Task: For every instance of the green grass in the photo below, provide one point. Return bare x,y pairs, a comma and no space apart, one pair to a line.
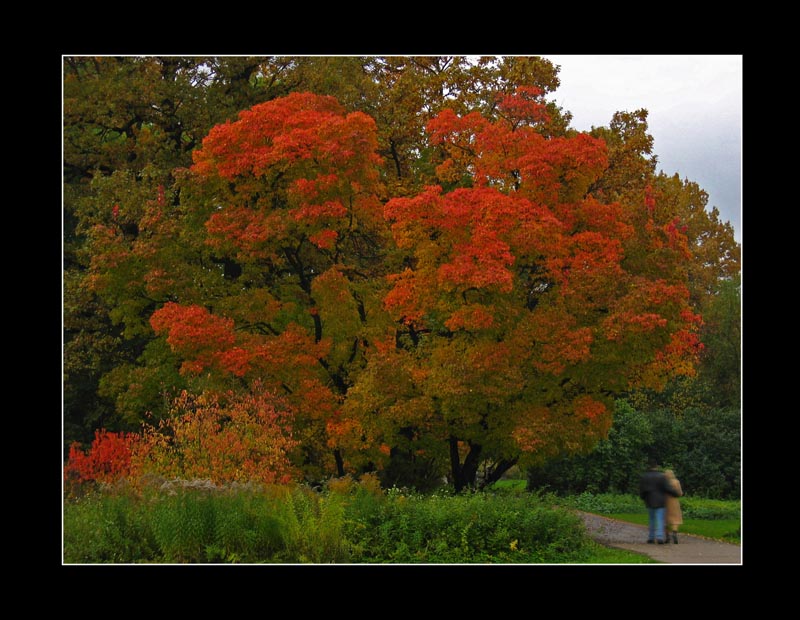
692,507
509,485
600,554
727,530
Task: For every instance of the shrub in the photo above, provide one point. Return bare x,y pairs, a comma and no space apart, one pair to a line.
356,522
231,438
183,525
479,527
108,460
108,527
604,503
703,508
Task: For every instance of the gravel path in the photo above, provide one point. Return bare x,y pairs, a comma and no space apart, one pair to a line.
689,550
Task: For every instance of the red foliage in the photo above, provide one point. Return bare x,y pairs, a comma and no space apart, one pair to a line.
107,460
193,332
301,167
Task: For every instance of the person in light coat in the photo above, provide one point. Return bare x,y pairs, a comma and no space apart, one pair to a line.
673,516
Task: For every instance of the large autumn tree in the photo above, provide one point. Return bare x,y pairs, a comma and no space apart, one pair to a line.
524,304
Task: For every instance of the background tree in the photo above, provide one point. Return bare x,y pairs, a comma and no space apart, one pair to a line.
128,123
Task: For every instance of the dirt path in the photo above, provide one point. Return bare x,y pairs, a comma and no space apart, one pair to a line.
689,550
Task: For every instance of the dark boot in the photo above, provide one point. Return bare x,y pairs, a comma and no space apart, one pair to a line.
675,537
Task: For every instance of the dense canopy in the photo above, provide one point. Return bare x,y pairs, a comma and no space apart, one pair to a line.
337,265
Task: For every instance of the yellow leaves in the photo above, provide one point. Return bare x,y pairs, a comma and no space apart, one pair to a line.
254,306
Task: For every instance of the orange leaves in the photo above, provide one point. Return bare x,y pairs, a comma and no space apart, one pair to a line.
646,308
588,408
330,209
557,340
470,318
418,213
236,361
512,155
402,300
287,170
244,230
523,106
474,231
191,326
281,129
241,438
207,341
287,132
324,239
483,262
313,190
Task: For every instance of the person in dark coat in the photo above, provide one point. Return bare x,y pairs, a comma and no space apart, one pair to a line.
654,489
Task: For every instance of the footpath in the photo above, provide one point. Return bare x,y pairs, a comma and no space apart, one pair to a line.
689,550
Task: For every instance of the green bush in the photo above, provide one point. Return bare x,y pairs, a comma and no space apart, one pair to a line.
354,523
702,446
604,503
312,527
710,509
107,528
184,525
479,527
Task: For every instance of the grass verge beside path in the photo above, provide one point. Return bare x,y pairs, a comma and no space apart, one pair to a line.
710,518
727,530
601,554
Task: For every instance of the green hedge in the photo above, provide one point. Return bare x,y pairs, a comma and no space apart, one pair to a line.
299,525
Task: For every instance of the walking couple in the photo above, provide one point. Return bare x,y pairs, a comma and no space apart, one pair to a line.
660,492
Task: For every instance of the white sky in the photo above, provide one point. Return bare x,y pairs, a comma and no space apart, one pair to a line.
695,113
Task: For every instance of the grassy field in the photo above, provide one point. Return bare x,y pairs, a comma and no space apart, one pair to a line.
727,530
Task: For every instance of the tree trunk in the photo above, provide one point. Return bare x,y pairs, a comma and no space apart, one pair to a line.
464,475
339,463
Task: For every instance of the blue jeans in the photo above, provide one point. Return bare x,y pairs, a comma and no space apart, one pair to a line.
656,520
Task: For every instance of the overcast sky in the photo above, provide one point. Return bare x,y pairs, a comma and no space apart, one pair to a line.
695,106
